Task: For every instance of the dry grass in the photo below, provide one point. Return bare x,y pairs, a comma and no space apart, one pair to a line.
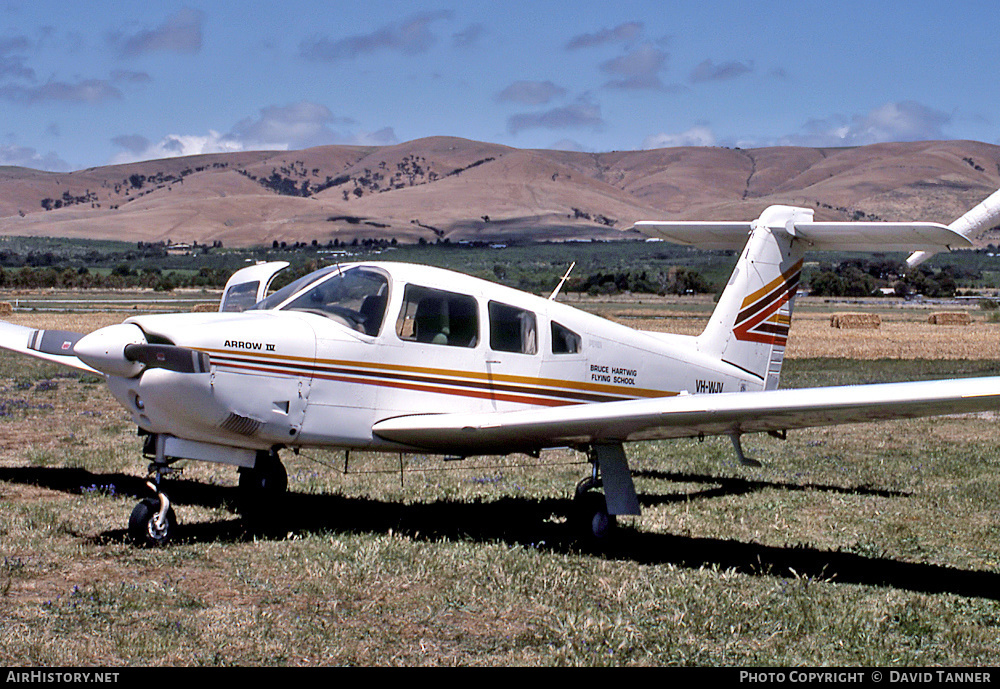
899,337
76,322
902,333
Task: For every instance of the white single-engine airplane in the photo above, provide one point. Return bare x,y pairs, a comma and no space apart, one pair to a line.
405,358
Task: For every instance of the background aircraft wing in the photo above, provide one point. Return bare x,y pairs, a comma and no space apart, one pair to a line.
51,345
688,416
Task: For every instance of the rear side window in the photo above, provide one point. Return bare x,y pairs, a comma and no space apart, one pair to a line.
512,329
564,340
434,316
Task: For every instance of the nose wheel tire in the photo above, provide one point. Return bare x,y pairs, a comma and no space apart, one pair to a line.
147,528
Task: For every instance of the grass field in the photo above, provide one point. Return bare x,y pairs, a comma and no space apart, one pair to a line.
874,544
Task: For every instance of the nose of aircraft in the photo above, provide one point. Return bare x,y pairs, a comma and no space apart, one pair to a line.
104,349
122,350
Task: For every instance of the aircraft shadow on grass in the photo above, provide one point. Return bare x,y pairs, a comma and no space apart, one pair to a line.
533,522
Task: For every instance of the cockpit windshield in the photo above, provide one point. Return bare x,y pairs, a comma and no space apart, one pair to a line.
355,297
275,299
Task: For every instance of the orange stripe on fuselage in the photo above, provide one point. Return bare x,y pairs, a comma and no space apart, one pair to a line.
530,381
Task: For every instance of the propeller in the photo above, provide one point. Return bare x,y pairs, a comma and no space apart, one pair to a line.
122,350
57,342
170,357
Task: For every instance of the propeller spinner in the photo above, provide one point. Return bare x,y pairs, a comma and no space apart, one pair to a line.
122,350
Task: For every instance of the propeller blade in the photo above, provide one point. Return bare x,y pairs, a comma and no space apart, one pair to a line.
57,342
170,357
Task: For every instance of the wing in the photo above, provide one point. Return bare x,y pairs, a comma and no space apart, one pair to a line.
51,345
688,416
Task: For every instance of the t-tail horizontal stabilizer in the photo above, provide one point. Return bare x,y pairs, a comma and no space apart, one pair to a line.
813,236
983,217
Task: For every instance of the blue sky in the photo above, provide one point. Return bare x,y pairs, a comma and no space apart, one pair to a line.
86,84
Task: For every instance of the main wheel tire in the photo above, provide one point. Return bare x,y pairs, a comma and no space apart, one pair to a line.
143,529
262,491
267,481
593,521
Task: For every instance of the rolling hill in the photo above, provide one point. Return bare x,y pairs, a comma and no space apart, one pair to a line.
456,189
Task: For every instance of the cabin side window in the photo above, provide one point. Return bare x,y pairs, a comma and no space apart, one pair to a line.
434,316
512,329
564,340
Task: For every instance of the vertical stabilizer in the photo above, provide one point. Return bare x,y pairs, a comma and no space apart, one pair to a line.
749,328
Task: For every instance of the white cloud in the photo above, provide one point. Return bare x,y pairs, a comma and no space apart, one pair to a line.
86,91
303,125
699,135
25,156
173,146
409,36
899,121
709,71
637,69
531,92
628,31
568,145
385,136
580,114
299,125
468,36
180,32
276,128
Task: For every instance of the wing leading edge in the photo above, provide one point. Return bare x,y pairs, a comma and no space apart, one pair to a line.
688,416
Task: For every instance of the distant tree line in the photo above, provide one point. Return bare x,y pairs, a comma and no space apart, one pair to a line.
674,281
865,278
122,277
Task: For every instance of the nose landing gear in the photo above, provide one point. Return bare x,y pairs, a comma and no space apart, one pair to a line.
153,521
262,485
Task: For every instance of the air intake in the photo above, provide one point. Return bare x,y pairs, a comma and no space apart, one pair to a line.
243,425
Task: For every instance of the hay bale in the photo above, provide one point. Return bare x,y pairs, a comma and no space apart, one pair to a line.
205,308
855,320
6,307
949,318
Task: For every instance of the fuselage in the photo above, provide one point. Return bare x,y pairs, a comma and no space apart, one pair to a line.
320,362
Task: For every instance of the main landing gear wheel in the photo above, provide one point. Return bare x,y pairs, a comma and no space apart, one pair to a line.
147,527
262,486
591,518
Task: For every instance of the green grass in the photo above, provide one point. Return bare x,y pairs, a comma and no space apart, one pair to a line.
874,544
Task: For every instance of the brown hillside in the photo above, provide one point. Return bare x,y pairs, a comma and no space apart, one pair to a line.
445,187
